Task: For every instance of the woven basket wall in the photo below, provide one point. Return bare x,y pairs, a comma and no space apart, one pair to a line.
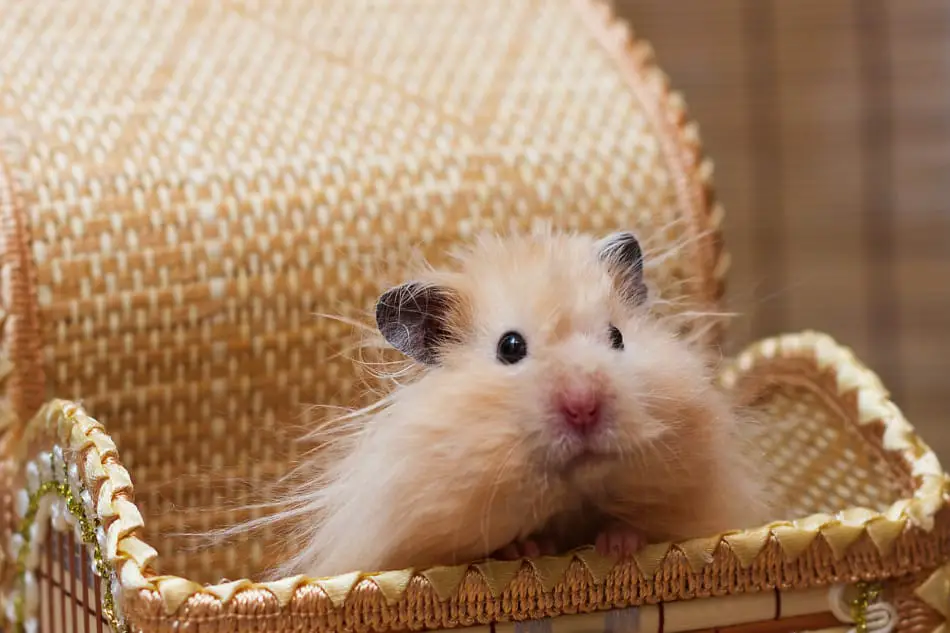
183,201
185,186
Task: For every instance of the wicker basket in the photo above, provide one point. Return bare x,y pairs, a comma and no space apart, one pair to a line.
182,185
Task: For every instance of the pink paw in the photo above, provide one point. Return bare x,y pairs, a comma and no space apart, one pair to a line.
619,541
525,549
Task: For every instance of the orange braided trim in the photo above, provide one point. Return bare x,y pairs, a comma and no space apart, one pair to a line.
21,336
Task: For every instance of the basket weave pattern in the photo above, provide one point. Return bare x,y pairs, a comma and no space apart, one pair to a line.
180,197
245,165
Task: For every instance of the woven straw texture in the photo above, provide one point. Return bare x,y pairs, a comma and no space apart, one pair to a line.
185,185
195,181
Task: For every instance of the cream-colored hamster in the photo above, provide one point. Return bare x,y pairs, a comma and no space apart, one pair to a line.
551,410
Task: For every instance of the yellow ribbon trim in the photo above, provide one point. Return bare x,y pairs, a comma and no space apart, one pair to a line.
392,584
935,592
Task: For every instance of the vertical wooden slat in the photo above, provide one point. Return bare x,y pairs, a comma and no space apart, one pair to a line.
50,619
60,580
77,608
877,164
920,58
98,584
84,597
821,186
768,205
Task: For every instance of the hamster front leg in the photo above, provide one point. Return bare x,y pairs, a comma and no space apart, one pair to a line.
619,540
563,531
527,548
610,537
615,540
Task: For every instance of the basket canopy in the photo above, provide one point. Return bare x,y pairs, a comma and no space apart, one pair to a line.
186,185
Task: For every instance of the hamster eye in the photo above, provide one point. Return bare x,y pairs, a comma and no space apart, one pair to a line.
616,338
512,348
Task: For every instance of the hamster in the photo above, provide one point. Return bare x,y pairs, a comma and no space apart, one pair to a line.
549,410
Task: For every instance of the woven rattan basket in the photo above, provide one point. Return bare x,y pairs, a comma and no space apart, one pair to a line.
184,184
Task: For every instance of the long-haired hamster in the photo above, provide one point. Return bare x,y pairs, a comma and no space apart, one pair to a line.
550,410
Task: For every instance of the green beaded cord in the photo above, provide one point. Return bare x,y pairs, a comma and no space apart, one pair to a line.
88,531
867,595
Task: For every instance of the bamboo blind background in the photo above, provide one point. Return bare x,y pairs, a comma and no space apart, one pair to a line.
829,125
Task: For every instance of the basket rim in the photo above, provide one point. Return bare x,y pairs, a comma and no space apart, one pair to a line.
911,535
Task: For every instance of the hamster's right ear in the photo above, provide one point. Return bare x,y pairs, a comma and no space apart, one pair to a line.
415,319
623,256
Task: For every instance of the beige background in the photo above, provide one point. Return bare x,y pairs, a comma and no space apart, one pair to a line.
829,124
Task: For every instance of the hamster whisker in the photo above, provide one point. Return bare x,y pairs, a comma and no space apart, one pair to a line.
486,509
348,321
658,245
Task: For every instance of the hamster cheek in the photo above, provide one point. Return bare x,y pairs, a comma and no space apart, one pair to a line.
481,415
491,473
632,425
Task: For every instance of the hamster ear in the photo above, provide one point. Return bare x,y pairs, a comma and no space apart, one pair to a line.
414,317
622,254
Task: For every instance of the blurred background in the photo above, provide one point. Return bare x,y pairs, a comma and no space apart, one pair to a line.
829,125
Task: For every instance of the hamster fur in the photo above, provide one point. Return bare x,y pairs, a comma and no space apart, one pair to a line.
477,456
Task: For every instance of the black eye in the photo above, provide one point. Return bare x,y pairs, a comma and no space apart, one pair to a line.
616,338
511,348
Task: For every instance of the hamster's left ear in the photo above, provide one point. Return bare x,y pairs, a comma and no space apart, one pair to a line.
415,319
622,254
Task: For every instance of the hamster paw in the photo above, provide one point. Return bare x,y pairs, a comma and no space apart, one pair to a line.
619,541
529,548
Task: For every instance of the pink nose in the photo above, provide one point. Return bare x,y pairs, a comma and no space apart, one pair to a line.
580,410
